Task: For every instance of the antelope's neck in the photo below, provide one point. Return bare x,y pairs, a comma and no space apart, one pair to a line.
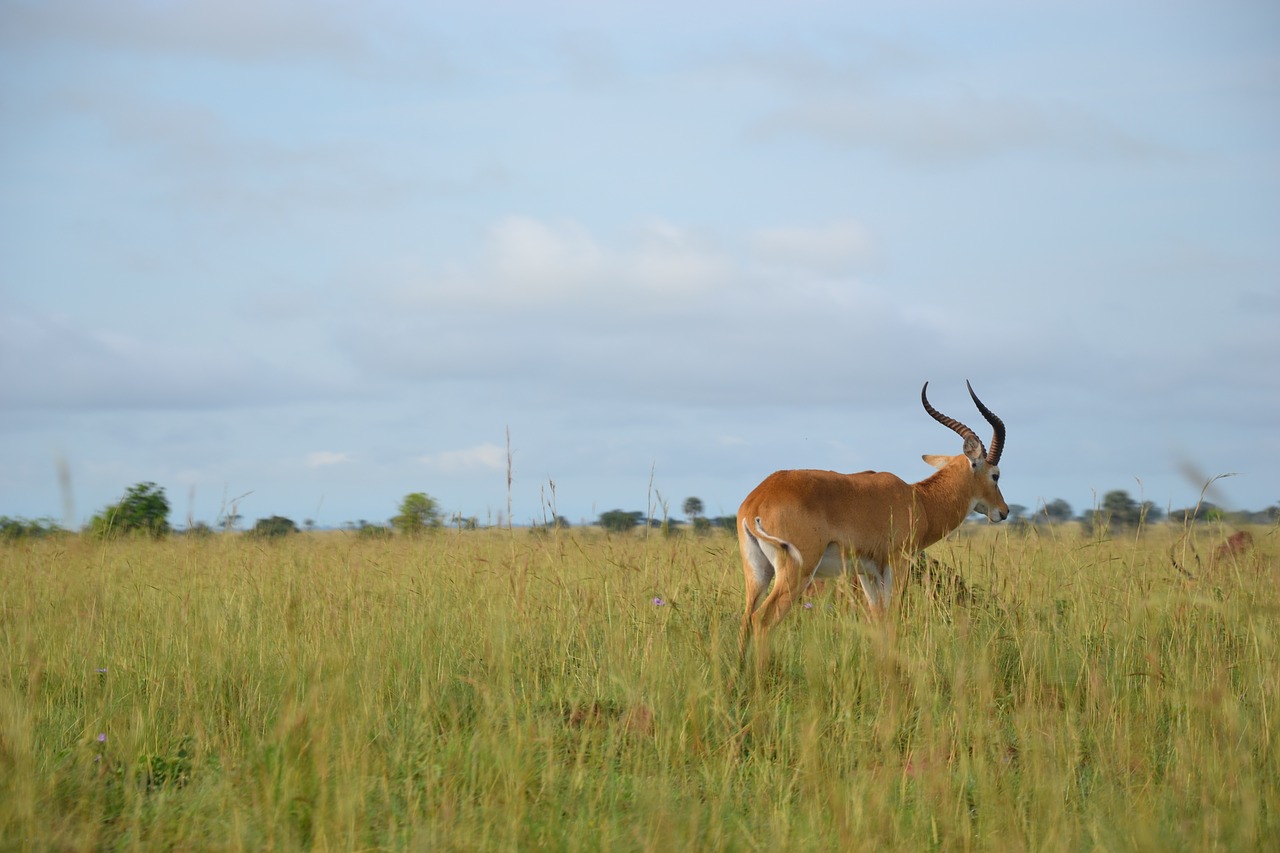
946,498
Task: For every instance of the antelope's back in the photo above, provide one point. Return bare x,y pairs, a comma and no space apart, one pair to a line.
862,505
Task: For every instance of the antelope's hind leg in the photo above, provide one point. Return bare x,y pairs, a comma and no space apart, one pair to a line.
759,572
876,579
790,579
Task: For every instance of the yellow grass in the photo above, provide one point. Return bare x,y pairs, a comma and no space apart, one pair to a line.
488,690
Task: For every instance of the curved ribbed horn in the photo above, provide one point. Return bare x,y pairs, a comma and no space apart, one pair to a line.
950,423
997,440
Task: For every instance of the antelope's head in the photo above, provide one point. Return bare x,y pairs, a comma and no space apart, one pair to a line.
984,464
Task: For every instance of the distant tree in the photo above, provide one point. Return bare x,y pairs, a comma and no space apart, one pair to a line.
365,530
467,522
1209,512
419,512
275,526
1018,520
1205,511
542,528
727,523
1055,511
693,508
143,509
620,521
199,529
21,528
1119,510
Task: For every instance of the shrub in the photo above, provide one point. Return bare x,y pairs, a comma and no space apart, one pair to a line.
21,528
143,509
275,526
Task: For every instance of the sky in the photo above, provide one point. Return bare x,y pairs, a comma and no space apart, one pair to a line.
305,258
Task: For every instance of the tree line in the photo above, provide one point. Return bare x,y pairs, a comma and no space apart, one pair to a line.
1118,509
144,510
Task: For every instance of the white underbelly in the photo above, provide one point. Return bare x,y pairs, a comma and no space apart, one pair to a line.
833,564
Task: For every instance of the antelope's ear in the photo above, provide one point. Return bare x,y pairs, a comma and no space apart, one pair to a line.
973,449
938,462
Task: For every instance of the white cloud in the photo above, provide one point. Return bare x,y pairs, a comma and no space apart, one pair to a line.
535,263
832,246
668,260
482,457
533,260
663,312
553,265
322,458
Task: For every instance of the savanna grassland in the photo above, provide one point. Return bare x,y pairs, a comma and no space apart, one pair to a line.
498,691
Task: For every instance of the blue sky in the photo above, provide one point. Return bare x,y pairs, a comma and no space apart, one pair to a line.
321,255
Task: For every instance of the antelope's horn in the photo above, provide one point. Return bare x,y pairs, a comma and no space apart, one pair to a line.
997,439
950,423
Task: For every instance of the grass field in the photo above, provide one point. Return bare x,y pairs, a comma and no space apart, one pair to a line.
498,691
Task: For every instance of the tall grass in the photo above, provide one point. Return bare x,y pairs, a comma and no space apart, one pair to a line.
490,690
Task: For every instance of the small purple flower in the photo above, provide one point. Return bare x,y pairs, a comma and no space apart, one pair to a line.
808,605
102,737
657,601
102,670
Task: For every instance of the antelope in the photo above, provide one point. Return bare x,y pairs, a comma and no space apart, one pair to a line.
1234,545
800,525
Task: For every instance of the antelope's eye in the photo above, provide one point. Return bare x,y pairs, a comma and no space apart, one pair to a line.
995,478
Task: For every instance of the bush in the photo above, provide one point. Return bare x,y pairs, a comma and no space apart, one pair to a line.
21,528
419,512
275,526
542,528
143,509
373,531
727,523
619,521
